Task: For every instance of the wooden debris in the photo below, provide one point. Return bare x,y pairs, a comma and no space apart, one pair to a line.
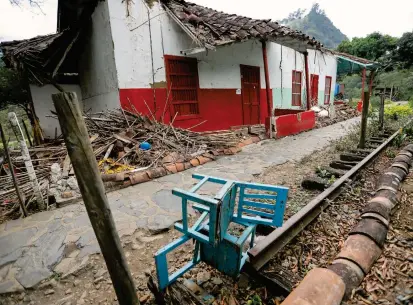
116,136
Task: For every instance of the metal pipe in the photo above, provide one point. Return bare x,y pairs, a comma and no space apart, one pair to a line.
267,84
307,80
273,243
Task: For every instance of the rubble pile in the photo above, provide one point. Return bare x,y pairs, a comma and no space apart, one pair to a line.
123,142
342,112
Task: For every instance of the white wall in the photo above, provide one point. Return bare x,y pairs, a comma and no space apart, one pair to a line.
43,104
323,64
133,42
136,62
221,68
98,76
216,69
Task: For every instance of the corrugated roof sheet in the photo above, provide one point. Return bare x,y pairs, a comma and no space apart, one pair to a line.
355,58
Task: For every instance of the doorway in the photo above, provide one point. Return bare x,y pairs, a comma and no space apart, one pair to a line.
250,94
314,89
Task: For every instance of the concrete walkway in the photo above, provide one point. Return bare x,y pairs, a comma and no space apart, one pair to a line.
60,241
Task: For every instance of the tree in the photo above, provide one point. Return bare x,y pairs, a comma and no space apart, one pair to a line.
374,46
12,89
404,52
13,92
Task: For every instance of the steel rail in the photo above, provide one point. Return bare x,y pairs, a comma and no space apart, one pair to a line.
276,240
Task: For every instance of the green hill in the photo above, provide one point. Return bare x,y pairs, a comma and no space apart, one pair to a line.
315,24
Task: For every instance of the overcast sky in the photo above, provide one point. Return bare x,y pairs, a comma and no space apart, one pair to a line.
354,18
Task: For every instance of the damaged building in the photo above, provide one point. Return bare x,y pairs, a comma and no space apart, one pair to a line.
177,62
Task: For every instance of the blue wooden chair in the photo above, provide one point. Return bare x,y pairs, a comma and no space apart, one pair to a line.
244,204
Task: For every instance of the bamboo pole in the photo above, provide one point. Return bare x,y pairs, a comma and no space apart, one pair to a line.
14,122
364,115
13,175
27,133
93,192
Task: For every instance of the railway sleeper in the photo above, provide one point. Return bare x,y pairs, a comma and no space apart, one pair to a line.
345,165
375,141
330,172
350,157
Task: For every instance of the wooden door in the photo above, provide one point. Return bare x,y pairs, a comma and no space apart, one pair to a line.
250,94
314,89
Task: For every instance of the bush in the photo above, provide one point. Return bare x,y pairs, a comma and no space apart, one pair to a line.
398,110
411,102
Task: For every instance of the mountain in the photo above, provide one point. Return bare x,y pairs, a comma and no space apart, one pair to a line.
315,24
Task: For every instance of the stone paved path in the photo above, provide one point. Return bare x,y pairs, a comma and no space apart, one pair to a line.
61,240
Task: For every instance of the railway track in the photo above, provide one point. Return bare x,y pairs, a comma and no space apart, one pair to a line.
273,243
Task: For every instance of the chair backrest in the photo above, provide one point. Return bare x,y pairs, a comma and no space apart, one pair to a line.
261,204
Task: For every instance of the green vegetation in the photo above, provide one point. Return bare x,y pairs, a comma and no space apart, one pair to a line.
406,134
396,111
395,57
374,46
255,300
315,24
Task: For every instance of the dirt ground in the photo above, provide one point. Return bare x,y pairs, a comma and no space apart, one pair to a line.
316,246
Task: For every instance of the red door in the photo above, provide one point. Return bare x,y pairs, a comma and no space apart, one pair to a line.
250,95
314,89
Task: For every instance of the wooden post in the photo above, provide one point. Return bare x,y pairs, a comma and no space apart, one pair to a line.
381,111
13,175
307,81
372,73
267,84
363,81
14,122
93,192
364,115
37,131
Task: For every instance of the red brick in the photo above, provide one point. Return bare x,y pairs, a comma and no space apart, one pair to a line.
188,165
194,162
180,167
203,160
139,178
171,168
156,172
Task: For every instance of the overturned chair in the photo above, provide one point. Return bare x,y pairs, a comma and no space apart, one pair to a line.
244,204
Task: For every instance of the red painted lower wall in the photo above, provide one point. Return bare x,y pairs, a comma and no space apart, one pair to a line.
291,124
221,108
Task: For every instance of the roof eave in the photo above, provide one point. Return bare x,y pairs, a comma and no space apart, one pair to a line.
371,65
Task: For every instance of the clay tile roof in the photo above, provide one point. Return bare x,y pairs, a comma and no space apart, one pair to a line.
214,28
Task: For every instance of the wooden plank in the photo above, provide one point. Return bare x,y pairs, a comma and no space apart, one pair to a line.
365,112
66,167
93,192
16,186
125,139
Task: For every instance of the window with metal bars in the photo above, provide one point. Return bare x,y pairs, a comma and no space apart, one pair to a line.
182,76
327,91
297,83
